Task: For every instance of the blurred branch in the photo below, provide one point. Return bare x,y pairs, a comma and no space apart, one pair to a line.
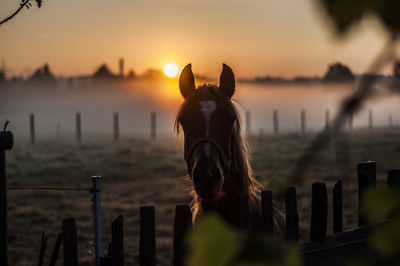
22,5
351,105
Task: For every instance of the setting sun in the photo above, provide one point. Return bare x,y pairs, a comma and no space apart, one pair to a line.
171,70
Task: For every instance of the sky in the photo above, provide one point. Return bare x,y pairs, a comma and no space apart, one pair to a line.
255,37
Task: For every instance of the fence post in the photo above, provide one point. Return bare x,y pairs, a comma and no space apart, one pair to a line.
393,181
109,250
56,248
275,117
366,175
390,120
370,120
58,129
98,233
303,122
292,216
351,122
78,128
319,212
337,208
32,128
248,123
117,240
42,249
116,127
327,120
260,136
153,118
182,225
106,261
70,242
393,178
147,244
6,143
244,211
267,211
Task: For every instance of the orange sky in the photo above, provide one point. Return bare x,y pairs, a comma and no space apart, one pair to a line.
255,37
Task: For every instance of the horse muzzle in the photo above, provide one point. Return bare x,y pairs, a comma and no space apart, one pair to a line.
208,178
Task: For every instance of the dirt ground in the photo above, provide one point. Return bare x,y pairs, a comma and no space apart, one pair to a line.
137,172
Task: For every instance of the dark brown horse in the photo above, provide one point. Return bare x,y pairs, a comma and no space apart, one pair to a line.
216,153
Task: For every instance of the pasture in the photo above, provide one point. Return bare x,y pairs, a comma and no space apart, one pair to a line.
139,172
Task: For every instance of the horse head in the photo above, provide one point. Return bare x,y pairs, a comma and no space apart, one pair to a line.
207,118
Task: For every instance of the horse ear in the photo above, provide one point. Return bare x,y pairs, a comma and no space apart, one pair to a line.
227,81
186,81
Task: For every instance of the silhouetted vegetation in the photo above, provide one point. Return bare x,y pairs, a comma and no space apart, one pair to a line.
338,72
2,77
104,73
42,77
396,70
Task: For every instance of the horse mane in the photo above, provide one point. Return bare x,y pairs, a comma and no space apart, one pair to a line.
245,182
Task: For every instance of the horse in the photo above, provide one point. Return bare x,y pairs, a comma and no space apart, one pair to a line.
216,153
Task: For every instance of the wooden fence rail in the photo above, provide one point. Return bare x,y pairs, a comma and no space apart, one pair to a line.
319,244
153,131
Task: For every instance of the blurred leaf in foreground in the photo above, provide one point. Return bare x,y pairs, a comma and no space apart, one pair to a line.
346,13
216,243
381,204
212,243
264,250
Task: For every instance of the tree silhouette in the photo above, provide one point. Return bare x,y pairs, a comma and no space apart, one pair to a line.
103,72
338,72
396,69
24,3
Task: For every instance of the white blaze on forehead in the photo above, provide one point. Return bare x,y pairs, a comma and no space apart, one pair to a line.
207,108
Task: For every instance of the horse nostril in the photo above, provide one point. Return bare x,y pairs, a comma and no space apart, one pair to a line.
207,181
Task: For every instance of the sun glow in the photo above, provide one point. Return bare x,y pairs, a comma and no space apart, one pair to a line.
171,70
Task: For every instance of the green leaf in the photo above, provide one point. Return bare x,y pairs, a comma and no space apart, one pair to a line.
379,203
212,243
386,239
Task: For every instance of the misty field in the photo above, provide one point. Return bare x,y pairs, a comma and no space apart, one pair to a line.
138,172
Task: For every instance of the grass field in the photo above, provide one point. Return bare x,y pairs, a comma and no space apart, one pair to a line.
138,172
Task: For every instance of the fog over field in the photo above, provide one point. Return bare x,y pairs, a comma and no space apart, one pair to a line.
55,108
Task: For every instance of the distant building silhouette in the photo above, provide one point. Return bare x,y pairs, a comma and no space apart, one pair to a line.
339,73
103,72
42,77
131,74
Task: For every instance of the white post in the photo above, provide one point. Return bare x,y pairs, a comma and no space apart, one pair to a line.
98,234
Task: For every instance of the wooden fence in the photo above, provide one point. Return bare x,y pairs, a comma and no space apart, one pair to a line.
247,127
338,247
